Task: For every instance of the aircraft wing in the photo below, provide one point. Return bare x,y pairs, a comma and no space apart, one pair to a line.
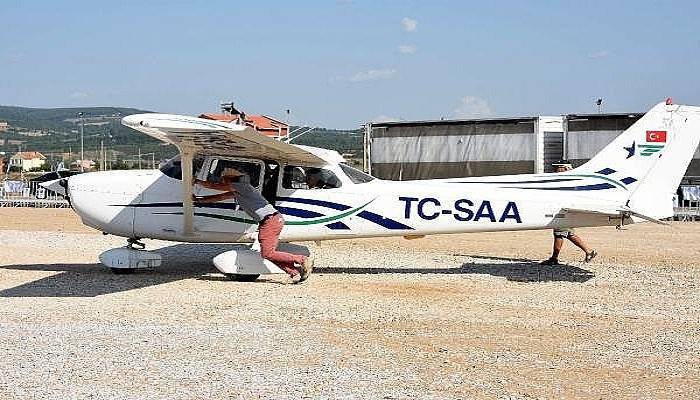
208,137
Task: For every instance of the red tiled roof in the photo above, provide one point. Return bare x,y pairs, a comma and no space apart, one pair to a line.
30,155
261,123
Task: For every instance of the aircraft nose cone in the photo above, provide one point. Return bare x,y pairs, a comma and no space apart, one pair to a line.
132,120
103,200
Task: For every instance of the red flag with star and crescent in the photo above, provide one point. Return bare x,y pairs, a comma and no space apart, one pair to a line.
656,136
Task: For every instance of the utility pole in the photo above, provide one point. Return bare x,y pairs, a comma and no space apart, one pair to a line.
288,127
21,163
139,158
82,150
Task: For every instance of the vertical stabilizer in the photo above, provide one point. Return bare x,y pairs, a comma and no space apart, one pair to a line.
650,158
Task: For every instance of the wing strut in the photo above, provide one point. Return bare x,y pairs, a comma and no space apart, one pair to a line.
187,154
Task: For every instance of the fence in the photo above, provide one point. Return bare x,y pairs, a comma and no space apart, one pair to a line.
29,194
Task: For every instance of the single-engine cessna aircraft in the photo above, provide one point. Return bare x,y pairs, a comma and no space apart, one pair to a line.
633,179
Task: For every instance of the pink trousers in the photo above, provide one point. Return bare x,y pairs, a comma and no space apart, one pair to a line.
268,235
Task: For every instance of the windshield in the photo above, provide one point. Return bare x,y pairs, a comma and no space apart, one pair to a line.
355,175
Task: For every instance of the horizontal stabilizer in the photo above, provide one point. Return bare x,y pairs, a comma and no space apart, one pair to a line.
615,212
644,217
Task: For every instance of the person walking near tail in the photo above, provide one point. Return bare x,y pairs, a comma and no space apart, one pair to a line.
567,233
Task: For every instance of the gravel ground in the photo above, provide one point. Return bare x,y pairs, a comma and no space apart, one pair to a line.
464,316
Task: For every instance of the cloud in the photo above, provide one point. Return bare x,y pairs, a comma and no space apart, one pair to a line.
13,58
79,95
599,54
472,107
409,25
407,49
385,118
373,75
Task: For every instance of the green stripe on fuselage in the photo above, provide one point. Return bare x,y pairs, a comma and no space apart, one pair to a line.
321,220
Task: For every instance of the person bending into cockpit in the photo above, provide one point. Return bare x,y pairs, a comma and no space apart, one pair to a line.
235,184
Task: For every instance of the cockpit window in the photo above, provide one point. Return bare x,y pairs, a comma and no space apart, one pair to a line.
173,167
355,175
309,178
248,168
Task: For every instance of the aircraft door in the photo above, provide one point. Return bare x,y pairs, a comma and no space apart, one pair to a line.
159,214
225,216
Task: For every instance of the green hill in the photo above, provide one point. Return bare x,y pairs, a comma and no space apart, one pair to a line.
55,132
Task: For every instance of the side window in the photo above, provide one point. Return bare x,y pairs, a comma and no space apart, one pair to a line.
173,167
309,178
219,166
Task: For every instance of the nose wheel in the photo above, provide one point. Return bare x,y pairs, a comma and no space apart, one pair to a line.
124,260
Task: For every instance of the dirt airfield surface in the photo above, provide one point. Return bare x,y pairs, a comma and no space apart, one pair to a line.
461,316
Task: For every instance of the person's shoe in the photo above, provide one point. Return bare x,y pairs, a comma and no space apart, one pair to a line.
307,267
551,261
590,256
295,278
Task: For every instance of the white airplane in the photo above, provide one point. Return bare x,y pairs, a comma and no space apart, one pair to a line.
633,179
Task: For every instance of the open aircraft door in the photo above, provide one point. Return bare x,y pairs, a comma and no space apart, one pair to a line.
225,216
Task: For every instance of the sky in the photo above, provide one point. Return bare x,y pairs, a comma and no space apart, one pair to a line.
341,63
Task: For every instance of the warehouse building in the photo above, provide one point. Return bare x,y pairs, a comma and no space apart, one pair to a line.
458,148
501,146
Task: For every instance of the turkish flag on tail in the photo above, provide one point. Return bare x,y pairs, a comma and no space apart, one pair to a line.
656,136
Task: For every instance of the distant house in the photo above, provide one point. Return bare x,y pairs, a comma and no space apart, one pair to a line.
86,164
27,160
4,126
262,123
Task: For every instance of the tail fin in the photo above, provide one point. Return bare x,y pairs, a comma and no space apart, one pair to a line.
651,157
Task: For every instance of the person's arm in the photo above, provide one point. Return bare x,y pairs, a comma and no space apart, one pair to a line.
213,198
223,186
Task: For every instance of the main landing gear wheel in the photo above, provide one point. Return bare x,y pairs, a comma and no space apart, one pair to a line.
242,277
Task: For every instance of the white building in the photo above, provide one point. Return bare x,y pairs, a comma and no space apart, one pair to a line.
27,160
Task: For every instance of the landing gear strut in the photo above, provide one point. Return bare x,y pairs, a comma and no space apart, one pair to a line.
133,243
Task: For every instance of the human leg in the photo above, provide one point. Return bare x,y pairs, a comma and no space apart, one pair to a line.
556,248
268,235
581,244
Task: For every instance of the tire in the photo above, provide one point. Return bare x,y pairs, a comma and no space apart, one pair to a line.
243,278
122,271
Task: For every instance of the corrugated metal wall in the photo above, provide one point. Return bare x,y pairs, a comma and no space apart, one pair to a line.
586,135
450,149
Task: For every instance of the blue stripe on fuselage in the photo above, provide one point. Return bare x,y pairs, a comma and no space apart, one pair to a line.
599,186
387,223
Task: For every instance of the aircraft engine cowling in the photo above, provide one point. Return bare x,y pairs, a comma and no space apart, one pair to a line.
105,200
